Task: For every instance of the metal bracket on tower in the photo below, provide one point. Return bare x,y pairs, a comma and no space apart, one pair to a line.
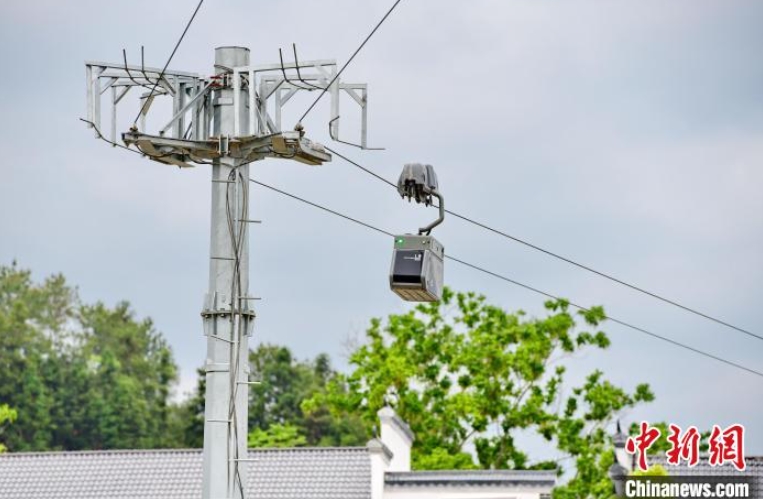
216,304
185,139
219,305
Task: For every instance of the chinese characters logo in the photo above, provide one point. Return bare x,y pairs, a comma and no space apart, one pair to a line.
724,445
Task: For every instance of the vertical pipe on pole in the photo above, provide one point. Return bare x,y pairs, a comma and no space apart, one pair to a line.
236,103
177,105
252,103
278,105
89,78
113,113
364,119
96,89
225,343
195,115
264,105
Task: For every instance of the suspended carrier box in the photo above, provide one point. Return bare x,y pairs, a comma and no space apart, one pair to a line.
417,268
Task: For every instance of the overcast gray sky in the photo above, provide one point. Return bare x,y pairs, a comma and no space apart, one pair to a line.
627,135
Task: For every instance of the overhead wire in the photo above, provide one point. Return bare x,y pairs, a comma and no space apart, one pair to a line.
155,157
169,60
566,259
360,47
463,217
100,136
520,284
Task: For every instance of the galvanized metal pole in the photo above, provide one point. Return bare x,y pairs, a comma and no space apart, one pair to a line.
242,131
227,367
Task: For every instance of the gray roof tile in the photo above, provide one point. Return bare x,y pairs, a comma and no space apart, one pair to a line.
477,477
304,473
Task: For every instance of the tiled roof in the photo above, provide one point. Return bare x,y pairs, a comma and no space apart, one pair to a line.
303,473
325,473
480,477
754,468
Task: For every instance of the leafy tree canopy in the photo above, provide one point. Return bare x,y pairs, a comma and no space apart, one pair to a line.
80,376
276,415
468,376
277,435
285,383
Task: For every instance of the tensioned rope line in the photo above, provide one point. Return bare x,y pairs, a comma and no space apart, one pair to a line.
567,260
360,47
166,65
517,283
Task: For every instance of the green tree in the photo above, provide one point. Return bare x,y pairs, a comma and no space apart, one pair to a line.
285,383
276,413
277,435
33,326
467,375
81,376
192,413
7,415
132,372
656,470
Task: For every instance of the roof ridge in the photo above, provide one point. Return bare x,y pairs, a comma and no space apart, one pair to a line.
99,452
313,448
471,477
663,455
102,452
505,473
498,472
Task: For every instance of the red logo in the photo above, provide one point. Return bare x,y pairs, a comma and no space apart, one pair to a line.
641,443
727,446
683,448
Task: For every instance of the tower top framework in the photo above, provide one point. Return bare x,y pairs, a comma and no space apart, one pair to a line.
186,136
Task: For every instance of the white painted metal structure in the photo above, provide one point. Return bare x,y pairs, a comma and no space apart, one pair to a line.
189,135
223,121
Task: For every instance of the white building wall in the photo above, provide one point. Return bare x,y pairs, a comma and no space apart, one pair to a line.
380,459
391,453
397,437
